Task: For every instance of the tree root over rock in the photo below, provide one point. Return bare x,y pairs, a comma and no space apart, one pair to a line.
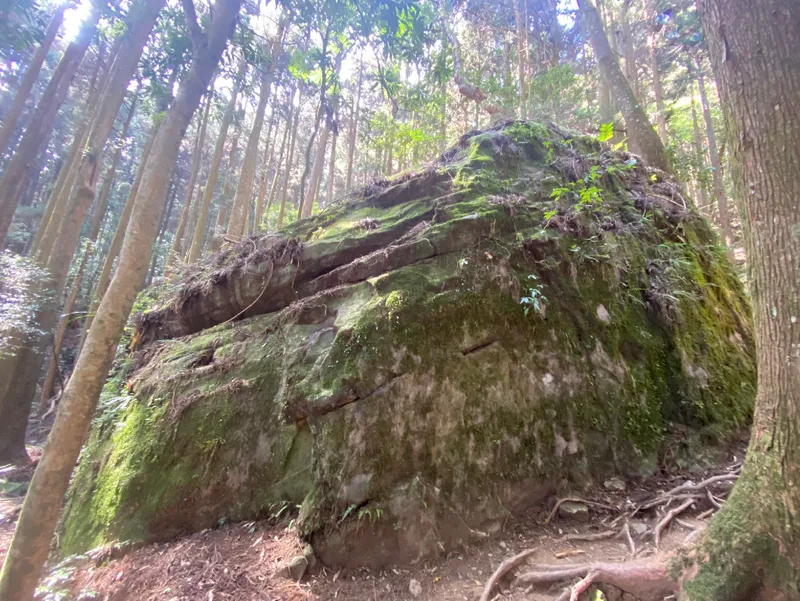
646,579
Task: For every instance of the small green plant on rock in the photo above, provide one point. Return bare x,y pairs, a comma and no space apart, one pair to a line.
534,298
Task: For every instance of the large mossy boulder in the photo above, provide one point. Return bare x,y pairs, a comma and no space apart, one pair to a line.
440,350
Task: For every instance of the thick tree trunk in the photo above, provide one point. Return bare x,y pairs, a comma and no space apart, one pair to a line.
716,165
31,74
41,121
244,188
628,50
196,248
642,138
751,547
40,512
197,159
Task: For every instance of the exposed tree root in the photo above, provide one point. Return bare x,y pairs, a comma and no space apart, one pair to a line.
647,579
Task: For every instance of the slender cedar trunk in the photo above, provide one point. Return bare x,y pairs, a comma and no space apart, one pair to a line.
61,330
94,231
268,166
331,171
631,71
41,121
351,144
49,228
196,247
288,171
642,138
716,166
699,157
119,235
316,172
751,547
307,167
521,39
197,159
279,166
66,243
226,199
40,512
29,79
658,90
162,230
244,189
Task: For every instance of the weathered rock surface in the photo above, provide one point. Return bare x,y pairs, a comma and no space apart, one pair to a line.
412,365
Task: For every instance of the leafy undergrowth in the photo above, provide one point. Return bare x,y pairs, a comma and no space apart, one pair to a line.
241,562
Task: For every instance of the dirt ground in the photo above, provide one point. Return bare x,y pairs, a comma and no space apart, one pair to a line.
243,562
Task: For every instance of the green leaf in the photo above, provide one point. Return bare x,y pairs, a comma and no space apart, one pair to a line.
606,132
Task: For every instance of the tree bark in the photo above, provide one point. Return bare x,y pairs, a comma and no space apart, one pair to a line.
658,90
751,547
716,166
279,166
316,172
331,171
41,121
142,19
29,79
244,188
642,138
94,231
351,150
699,158
197,159
42,506
288,171
521,39
196,248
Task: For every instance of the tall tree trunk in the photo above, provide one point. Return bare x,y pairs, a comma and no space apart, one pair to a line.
751,547
141,21
351,150
244,189
197,159
316,172
716,166
226,199
699,157
279,166
288,171
628,50
31,74
41,121
258,214
94,231
196,248
42,506
642,138
117,239
331,171
658,91
522,36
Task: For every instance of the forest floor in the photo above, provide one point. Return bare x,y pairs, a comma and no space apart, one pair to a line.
242,562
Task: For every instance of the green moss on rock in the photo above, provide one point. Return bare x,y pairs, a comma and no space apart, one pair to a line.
499,343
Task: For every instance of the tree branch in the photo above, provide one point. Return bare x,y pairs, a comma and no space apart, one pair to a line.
190,14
